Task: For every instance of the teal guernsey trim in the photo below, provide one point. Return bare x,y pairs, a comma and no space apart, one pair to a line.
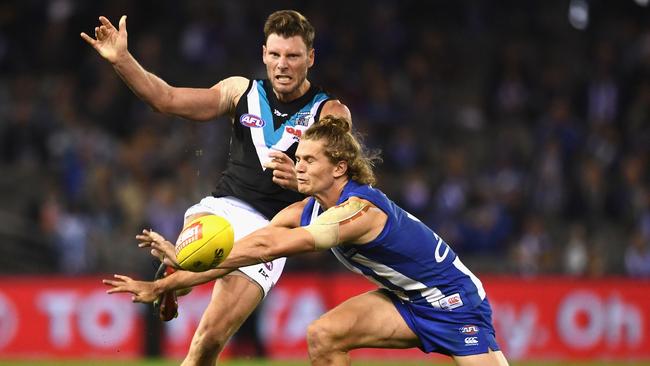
271,135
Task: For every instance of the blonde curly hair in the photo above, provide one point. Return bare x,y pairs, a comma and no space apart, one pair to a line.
341,144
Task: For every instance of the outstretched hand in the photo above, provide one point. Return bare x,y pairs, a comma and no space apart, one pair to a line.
161,248
143,291
109,42
284,174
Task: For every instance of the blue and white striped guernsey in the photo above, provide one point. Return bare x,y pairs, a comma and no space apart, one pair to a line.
407,258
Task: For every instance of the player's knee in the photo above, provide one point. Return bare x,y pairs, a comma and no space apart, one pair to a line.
323,337
207,341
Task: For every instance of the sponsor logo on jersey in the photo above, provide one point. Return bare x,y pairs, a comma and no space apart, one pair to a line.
469,329
191,234
251,120
302,118
294,131
263,273
278,113
451,302
269,266
471,341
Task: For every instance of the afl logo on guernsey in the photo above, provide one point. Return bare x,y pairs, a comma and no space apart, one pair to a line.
469,329
251,120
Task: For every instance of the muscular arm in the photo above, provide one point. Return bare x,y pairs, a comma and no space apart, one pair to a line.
355,221
258,247
282,238
199,104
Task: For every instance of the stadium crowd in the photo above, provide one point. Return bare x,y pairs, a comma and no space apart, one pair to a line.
523,140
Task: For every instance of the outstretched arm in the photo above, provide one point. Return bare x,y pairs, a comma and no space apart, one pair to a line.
148,291
199,104
355,221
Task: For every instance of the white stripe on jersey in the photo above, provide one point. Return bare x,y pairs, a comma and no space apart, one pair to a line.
347,264
257,134
431,294
479,285
313,111
314,211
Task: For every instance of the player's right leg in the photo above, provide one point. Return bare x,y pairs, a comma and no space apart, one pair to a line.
368,320
234,298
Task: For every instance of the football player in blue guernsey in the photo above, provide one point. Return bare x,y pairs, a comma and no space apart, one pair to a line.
268,118
426,298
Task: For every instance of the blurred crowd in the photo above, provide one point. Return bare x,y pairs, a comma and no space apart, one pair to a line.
521,138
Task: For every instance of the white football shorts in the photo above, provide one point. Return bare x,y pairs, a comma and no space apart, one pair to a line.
244,220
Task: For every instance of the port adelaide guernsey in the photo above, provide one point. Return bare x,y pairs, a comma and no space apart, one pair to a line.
262,124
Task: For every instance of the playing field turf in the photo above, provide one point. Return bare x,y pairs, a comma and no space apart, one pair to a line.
249,362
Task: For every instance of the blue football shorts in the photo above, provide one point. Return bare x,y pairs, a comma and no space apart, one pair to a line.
458,332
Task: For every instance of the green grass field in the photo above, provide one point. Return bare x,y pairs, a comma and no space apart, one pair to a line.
295,363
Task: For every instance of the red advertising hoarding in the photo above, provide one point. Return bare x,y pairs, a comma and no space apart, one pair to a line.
56,317
541,318
568,318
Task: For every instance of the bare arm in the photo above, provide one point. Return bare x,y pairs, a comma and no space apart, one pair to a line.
148,291
282,237
355,221
199,104
267,244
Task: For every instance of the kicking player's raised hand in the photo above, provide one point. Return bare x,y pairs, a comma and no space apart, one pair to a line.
109,42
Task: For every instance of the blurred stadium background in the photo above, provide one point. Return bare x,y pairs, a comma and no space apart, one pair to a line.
518,130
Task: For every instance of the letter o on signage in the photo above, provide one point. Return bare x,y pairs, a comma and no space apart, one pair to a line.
97,307
574,333
8,321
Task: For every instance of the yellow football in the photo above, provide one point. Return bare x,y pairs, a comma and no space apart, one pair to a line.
204,243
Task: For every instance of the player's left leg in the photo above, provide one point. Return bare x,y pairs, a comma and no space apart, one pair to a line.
234,298
367,320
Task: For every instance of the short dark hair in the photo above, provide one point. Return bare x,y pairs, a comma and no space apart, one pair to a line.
289,23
